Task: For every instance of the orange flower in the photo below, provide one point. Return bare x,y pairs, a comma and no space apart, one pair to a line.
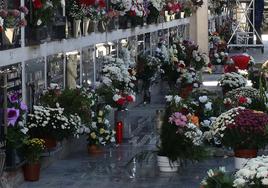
194,119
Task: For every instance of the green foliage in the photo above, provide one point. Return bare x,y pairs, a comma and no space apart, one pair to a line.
217,178
15,137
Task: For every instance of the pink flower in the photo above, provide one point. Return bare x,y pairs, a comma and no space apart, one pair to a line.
15,13
24,9
23,23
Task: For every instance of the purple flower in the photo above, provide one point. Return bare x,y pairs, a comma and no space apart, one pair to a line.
13,98
12,116
23,106
24,9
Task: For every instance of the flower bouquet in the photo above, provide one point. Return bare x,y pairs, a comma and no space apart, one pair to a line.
230,81
99,131
32,151
253,174
172,9
244,130
117,87
52,125
136,13
179,133
12,18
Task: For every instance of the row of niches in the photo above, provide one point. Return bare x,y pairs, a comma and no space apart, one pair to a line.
58,21
79,67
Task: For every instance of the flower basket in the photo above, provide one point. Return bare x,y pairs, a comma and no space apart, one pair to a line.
31,172
242,156
94,150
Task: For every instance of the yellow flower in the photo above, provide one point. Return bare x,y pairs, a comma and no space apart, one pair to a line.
100,113
93,135
99,120
102,131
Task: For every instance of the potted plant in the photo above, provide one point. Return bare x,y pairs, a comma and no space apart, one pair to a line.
230,81
217,178
179,133
243,130
99,131
32,150
16,130
247,97
253,174
52,125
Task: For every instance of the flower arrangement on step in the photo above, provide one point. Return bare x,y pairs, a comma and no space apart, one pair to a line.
219,58
16,130
179,133
253,174
99,131
95,10
191,6
217,178
247,97
230,81
117,86
52,125
12,18
244,130
32,149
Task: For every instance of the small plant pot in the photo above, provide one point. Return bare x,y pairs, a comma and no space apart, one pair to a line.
165,165
31,172
94,150
50,143
243,156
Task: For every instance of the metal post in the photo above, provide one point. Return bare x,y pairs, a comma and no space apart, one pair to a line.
81,66
94,66
64,70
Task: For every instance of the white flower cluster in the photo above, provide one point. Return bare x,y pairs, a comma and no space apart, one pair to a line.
188,77
173,99
253,173
205,100
200,57
220,58
194,134
220,123
52,118
115,70
232,80
248,92
162,53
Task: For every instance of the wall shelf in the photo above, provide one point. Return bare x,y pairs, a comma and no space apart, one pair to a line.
22,54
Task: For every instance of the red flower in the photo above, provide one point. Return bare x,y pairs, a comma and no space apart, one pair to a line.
102,3
132,13
37,4
242,100
130,98
121,101
1,29
241,61
209,65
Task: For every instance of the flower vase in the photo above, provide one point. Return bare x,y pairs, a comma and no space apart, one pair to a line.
86,22
31,171
121,115
242,156
165,165
94,150
167,16
77,28
102,26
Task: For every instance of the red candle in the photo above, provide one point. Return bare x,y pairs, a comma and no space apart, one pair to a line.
119,132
